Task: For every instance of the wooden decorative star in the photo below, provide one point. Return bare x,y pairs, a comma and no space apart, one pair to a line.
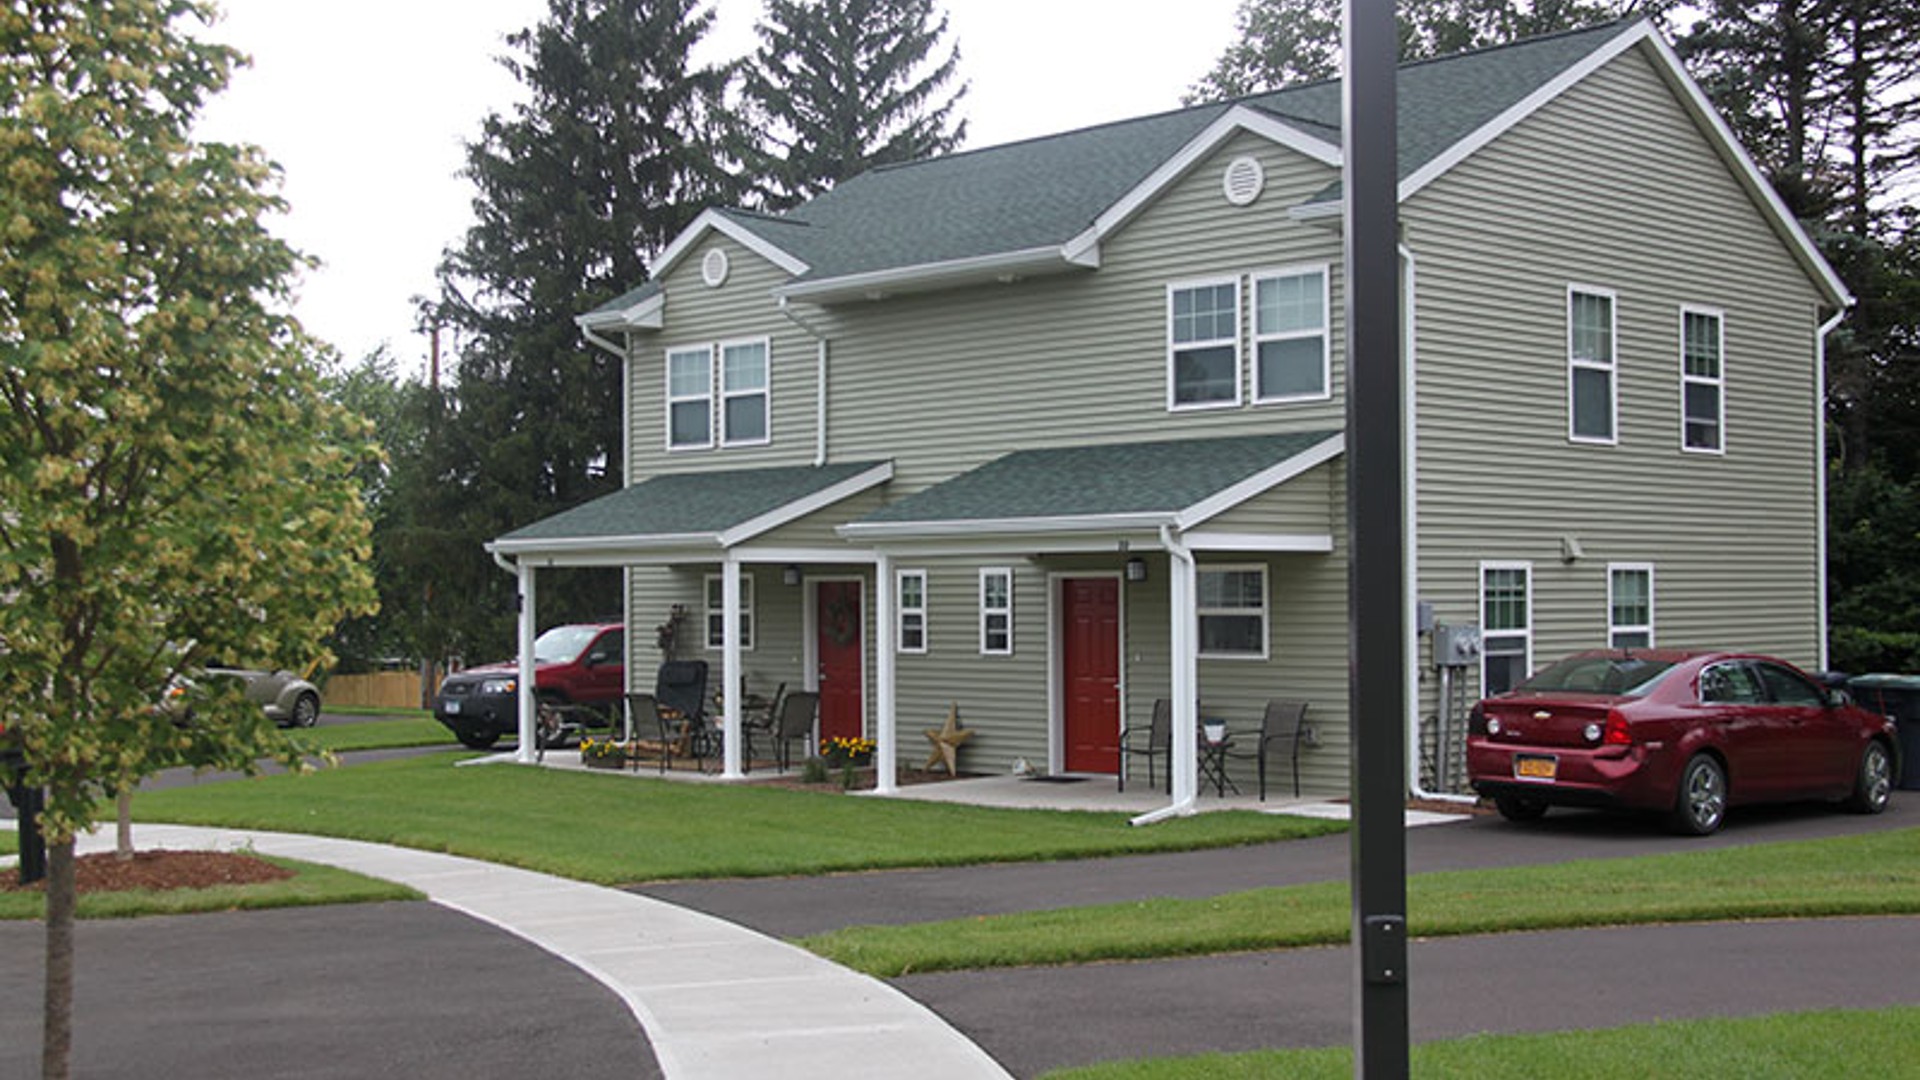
946,741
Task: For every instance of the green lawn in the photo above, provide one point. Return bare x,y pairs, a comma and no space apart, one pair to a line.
616,829
1876,874
1828,1045
311,884
410,729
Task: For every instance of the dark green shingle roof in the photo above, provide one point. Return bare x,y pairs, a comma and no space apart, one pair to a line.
687,504
1043,192
1097,481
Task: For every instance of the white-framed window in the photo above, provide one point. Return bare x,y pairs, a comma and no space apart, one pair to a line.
1630,605
1591,366
1290,355
912,636
1703,381
1506,625
690,398
1231,602
743,393
716,611
996,611
1203,344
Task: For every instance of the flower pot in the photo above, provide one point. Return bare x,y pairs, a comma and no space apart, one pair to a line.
603,762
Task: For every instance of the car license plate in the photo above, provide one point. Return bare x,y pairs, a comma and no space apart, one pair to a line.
453,708
1535,766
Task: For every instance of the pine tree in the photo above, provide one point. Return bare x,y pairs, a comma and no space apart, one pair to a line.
840,86
615,150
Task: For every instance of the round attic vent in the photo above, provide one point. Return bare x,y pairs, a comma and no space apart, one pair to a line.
713,268
1243,180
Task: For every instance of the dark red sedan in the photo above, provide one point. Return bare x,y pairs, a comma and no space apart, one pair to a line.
1686,733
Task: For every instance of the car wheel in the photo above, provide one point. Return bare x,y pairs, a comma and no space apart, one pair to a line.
306,711
1874,784
1701,805
478,740
1520,807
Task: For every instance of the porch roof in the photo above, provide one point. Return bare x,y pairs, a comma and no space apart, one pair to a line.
1115,486
708,510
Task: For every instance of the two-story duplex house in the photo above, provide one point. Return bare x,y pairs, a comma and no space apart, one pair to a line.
1054,429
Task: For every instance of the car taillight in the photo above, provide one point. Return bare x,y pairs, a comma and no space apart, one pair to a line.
1618,733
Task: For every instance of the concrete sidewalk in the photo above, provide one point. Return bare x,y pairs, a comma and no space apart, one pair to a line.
718,1002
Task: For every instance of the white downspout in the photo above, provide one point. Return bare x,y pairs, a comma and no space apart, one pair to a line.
886,724
1186,680
1409,436
1820,473
820,382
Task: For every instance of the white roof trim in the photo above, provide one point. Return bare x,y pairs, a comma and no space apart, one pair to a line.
648,314
711,220
1034,526
807,504
877,283
1307,543
1235,120
1265,480
529,551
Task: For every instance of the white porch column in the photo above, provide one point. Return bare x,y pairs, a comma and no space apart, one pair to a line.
1186,677
730,666
886,728
524,679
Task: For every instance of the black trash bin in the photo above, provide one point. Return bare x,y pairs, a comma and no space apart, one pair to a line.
1897,696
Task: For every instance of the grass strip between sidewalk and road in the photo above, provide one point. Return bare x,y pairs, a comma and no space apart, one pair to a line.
1834,1044
1876,874
617,829
310,885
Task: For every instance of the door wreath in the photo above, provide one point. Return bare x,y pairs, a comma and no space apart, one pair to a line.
842,620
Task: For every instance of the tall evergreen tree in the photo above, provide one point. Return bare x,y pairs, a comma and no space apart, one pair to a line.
1283,42
615,150
840,86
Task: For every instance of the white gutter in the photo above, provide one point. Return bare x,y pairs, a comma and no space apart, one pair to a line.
820,382
1409,436
604,342
1820,473
1185,686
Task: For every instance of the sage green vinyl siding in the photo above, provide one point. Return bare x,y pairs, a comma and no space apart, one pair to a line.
1003,699
1612,185
697,315
779,651
816,530
1305,505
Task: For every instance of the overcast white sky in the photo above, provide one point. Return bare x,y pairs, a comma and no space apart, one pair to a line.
366,105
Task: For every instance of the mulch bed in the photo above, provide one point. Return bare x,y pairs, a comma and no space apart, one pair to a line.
161,870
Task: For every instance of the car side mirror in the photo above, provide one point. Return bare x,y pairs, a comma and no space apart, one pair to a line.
1838,698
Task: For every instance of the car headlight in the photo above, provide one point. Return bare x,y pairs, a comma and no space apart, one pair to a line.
498,686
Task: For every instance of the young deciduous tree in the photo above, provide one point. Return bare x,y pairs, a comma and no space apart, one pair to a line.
172,485
840,86
615,150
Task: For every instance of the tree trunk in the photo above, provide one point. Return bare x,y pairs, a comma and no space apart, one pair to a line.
57,1032
123,833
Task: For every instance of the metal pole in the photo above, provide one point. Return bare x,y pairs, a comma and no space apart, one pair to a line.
1376,516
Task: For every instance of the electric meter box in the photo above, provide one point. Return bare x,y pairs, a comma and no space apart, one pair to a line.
1456,645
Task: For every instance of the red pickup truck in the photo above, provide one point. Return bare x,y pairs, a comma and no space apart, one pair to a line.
582,664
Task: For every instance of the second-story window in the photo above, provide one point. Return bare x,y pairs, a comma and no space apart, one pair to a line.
1590,366
743,393
1290,336
690,398
1702,381
1203,344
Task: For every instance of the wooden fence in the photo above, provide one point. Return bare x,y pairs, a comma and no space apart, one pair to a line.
396,689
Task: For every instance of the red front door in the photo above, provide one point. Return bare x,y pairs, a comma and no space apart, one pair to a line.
1090,673
838,643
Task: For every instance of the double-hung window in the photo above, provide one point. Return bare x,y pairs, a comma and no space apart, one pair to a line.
996,611
913,611
1290,355
1591,366
1203,344
743,393
690,398
1506,625
1232,606
716,611
1630,605
1703,407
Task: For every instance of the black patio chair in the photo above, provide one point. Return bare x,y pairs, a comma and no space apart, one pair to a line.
795,720
1153,742
1282,724
760,721
680,689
